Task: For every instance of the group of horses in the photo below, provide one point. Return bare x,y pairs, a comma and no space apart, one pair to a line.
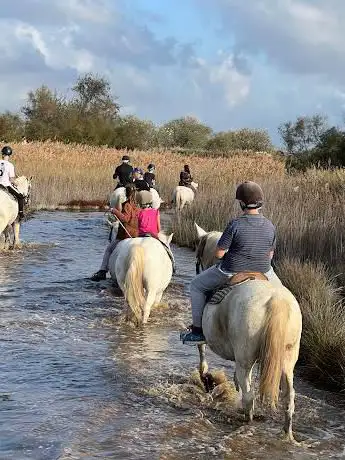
254,321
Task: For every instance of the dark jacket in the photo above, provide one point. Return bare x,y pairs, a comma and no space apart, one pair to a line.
124,174
141,184
149,178
185,179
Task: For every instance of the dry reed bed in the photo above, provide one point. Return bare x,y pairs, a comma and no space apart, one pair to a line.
307,209
64,173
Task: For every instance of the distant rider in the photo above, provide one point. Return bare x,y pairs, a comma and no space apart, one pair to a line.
247,244
139,182
7,176
186,178
150,176
123,173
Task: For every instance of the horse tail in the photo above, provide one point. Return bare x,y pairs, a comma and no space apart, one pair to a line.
272,349
133,285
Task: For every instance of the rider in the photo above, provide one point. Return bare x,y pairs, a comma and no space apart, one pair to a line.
247,244
123,173
186,178
150,176
139,182
129,218
7,176
149,222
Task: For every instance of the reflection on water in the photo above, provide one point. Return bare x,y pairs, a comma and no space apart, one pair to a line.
73,374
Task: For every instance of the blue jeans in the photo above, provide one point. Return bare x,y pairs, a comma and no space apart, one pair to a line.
208,280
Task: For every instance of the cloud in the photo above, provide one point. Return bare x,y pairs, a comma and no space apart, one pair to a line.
245,63
297,36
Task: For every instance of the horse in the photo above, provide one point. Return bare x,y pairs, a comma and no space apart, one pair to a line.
118,197
9,209
143,269
183,196
253,320
116,200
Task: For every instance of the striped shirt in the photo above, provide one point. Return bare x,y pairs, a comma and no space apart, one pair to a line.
249,240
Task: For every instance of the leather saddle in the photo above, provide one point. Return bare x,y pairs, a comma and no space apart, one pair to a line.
217,295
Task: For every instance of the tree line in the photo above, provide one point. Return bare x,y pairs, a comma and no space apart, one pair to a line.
92,116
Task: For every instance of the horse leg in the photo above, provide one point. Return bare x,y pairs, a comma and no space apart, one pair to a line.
150,298
16,228
158,298
288,394
236,382
205,376
244,380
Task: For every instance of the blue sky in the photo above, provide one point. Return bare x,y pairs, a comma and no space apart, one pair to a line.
230,63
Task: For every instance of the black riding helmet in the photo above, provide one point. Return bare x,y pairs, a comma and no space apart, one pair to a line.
125,158
250,194
6,151
151,166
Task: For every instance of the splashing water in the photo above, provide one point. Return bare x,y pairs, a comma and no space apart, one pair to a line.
77,382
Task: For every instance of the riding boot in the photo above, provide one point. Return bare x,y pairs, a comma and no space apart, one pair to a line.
20,208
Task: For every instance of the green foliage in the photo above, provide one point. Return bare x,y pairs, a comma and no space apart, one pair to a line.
304,134
132,133
328,153
242,139
11,127
185,132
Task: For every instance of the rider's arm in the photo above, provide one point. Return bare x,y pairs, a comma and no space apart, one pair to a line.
225,240
116,173
123,216
12,174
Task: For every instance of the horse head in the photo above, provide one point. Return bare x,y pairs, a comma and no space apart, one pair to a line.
23,185
166,239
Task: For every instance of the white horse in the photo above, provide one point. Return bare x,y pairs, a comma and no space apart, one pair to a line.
183,196
254,321
9,210
143,270
118,197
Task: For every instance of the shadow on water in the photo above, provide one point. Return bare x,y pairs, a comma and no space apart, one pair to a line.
76,382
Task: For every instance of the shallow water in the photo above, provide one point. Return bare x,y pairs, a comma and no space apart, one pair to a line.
77,383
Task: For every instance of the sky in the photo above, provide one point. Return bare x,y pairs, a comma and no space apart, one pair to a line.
230,63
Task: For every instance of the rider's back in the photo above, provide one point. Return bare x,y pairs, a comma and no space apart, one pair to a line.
124,173
6,172
250,239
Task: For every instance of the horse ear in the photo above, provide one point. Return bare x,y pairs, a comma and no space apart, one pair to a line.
30,178
201,232
170,238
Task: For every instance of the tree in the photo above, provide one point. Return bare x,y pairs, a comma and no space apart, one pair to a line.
132,133
304,134
43,113
11,127
93,96
185,132
242,139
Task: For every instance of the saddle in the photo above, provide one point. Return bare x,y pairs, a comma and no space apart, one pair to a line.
5,189
167,249
217,295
